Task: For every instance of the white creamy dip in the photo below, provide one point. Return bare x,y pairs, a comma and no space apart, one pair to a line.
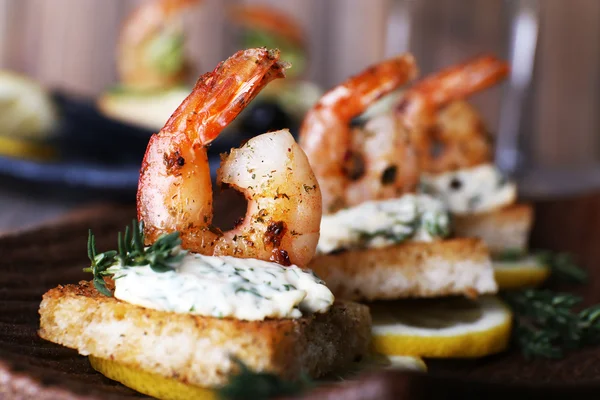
383,223
471,190
241,288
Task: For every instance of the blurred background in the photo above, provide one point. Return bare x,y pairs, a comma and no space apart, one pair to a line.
69,47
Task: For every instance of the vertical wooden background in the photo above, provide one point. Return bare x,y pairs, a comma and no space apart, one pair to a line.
69,44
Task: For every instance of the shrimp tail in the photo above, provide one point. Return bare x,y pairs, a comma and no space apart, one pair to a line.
457,131
219,96
366,88
457,82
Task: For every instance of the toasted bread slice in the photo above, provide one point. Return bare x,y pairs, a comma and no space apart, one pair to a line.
198,350
410,269
504,229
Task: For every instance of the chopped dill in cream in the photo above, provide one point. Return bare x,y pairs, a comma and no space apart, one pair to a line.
241,288
376,224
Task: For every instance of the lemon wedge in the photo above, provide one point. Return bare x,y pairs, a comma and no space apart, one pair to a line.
150,384
26,109
525,272
441,328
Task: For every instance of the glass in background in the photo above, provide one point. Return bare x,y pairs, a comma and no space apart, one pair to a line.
545,115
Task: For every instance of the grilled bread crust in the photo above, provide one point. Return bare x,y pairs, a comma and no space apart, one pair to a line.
503,229
410,269
198,350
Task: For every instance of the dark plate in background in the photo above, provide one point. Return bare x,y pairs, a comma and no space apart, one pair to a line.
98,152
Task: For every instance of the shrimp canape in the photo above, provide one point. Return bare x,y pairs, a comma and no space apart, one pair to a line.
192,302
380,239
383,240
152,66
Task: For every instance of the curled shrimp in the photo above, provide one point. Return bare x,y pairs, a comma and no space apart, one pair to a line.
150,47
256,16
175,194
327,137
447,133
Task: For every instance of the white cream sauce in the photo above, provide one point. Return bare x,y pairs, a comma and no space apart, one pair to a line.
241,288
377,224
471,190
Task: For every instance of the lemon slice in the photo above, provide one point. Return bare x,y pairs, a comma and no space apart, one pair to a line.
381,361
410,363
150,110
26,109
149,383
525,272
441,328
163,388
26,149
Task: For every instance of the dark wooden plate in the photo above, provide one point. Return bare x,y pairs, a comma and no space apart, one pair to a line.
35,261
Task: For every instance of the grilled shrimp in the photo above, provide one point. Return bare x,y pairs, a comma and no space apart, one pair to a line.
175,194
150,47
447,133
328,139
388,166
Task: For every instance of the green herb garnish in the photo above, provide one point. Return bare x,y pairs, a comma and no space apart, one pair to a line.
99,264
546,324
248,384
436,224
562,266
166,53
161,256
510,255
395,237
249,290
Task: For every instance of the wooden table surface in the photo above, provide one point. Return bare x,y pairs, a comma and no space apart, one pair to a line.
24,205
46,371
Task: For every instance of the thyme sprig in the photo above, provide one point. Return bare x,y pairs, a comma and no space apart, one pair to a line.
247,384
562,266
161,256
547,325
510,255
99,264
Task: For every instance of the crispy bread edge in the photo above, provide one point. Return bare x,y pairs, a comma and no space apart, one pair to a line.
411,269
506,228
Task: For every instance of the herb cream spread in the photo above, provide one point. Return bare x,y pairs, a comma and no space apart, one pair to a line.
471,190
376,224
241,288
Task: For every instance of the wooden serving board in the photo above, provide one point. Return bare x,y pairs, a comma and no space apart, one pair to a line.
34,261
